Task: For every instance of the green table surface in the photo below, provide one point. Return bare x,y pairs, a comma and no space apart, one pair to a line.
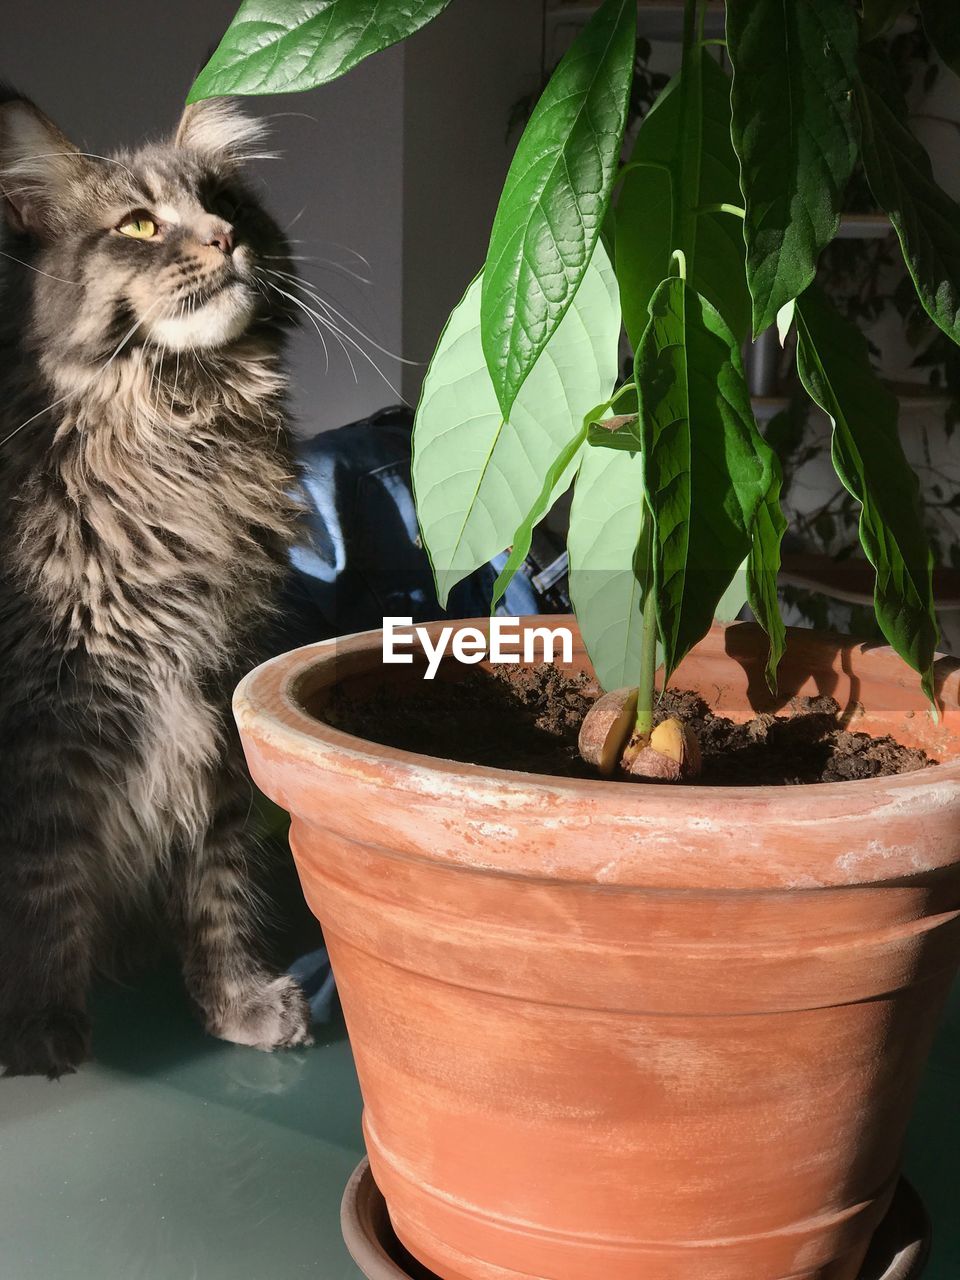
175,1157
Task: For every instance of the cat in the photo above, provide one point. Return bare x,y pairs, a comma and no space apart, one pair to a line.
147,505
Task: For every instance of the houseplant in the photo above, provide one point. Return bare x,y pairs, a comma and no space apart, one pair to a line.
603,1028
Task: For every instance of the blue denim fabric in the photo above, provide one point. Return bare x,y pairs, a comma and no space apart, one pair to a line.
362,559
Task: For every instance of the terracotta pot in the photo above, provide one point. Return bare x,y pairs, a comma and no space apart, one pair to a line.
604,1030
899,1249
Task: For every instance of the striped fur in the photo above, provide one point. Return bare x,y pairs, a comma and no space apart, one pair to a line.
145,518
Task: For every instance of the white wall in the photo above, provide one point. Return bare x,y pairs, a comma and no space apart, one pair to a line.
463,74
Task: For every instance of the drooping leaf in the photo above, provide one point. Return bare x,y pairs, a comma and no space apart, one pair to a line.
785,321
834,365
567,458
794,129
555,198
644,208
880,15
275,46
475,476
606,588
941,21
898,169
763,566
706,466
558,473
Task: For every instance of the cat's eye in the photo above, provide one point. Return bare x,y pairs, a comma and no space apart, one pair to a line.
139,226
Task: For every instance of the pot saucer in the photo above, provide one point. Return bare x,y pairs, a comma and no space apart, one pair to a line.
899,1250
368,1235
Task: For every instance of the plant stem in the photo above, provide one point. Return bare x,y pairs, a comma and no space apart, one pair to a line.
642,164
684,220
735,209
648,643
683,236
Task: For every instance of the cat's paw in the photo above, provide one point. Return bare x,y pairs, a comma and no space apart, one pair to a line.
49,1042
272,1013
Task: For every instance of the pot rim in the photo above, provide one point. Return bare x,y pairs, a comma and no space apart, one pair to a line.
266,697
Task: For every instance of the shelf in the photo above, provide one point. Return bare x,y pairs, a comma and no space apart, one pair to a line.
659,19
662,19
912,401
864,226
852,580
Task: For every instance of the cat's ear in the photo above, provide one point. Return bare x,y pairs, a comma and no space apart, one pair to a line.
38,166
222,133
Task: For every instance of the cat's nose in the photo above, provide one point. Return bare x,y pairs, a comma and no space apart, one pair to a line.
220,237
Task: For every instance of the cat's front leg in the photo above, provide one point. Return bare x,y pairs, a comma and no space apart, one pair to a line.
47,934
216,905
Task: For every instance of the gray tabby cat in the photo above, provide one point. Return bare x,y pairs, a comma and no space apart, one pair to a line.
145,518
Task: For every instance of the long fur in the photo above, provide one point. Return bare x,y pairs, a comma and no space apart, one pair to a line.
145,516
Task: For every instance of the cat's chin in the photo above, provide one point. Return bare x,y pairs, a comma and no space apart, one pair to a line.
220,320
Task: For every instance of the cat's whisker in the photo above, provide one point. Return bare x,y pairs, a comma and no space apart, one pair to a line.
313,293
35,416
322,241
140,356
290,115
343,337
309,314
313,320
176,376
131,331
320,263
331,327
356,253
195,351
339,266
30,267
158,369
328,306
89,155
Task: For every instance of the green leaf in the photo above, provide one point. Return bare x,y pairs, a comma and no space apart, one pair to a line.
898,169
556,197
941,21
880,15
523,538
475,476
785,320
763,566
794,129
555,482
834,366
644,208
734,598
706,466
606,519
276,46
